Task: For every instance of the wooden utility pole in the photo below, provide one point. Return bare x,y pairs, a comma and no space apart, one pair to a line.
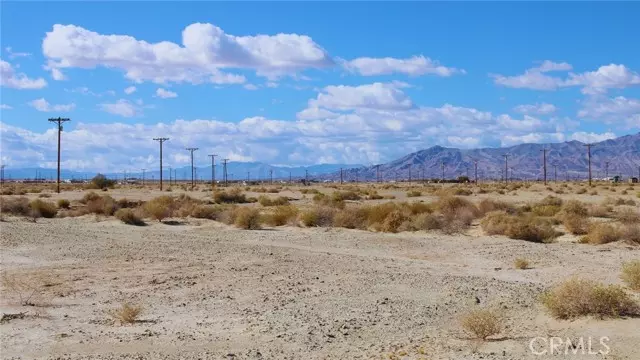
192,171
506,168
213,169
59,121
378,173
224,171
442,167
589,159
606,169
143,173
340,176
161,140
544,164
271,176
475,166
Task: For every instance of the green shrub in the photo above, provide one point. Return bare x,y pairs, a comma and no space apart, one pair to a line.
247,218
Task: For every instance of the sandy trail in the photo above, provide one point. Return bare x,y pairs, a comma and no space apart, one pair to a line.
212,291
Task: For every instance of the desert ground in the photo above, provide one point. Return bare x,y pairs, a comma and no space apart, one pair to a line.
211,290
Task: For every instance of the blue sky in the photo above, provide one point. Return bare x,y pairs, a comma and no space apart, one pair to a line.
306,83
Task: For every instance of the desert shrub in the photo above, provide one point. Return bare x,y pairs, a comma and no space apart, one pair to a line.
575,224
578,297
64,204
488,205
601,233
628,216
267,201
574,207
125,203
233,196
159,208
481,323
247,218
281,215
332,201
618,201
15,206
393,221
183,205
581,191
413,193
90,196
377,214
631,274
211,212
545,210
129,217
521,263
102,205
449,206
344,195
44,195
427,221
127,313
631,232
29,288
420,208
43,208
317,216
521,227
351,218
600,211
101,182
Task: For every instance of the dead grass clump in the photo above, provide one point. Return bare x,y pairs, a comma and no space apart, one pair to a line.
332,201
578,297
102,205
345,195
233,196
488,205
64,204
618,201
521,227
449,206
600,211
90,196
15,206
631,274
211,212
43,208
129,217
267,201
631,233
481,323
601,233
159,208
575,224
427,221
127,313
393,221
521,264
317,216
281,215
628,216
29,288
413,193
581,191
351,218
247,218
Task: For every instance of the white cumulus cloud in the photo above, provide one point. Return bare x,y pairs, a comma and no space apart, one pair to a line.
540,109
43,105
381,96
165,94
205,50
414,66
130,90
122,107
11,79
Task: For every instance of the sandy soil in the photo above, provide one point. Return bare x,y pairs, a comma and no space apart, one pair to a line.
210,291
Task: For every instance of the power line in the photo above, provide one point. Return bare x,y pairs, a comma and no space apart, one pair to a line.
224,171
161,140
59,121
192,170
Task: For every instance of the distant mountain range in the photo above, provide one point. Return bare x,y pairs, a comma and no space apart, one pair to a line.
235,170
525,161
566,160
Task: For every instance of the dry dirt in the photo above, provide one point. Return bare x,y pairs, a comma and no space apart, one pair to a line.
210,291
